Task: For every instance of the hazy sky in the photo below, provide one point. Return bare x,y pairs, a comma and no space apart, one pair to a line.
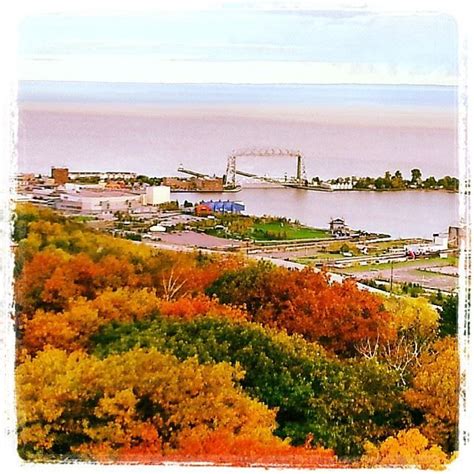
241,45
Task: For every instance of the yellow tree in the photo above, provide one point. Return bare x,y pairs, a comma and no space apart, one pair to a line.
415,325
435,392
76,403
408,449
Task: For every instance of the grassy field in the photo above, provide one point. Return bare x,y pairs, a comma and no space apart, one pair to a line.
285,231
317,257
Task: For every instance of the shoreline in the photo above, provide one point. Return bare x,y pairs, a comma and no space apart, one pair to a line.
449,191
371,190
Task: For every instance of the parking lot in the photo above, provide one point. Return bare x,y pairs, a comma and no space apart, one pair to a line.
438,277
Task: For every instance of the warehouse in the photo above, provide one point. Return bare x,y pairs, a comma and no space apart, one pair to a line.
95,202
232,207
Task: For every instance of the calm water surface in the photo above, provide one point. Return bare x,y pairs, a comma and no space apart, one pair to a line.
400,214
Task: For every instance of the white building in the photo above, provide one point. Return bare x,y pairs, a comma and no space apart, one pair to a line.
158,195
438,245
71,187
94,202
341,184
441,240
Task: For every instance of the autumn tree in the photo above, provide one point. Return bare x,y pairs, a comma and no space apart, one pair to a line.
187,274
72,328
115,262
30,284
304,302
25,214
435,392
414,322
409,448
52,277
188,307
75,403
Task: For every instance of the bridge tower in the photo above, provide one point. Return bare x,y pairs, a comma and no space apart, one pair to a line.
230,172
230,178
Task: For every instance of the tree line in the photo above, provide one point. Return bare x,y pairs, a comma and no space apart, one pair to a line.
396,181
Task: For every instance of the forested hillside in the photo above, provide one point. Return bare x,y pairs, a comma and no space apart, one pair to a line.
129,353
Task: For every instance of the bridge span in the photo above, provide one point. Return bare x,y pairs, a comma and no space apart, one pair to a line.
231,172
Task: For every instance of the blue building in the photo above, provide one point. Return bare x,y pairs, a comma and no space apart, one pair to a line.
233,207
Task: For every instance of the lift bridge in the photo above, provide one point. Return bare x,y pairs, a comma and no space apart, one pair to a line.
230,176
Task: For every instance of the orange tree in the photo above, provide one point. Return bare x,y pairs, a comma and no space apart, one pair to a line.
72,328
304,302
57,258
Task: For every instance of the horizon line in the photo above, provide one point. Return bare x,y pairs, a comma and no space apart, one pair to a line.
247,83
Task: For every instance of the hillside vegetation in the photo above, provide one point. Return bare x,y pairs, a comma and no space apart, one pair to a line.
129,353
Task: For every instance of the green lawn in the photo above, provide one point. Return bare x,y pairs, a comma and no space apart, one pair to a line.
321,257
82,218
283,231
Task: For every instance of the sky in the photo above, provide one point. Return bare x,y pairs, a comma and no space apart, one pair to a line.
241,45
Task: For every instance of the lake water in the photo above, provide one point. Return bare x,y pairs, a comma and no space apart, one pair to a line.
153,128
342,130
399,214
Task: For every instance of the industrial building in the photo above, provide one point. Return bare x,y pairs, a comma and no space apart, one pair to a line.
96,202
233,207
196,183
157,195
456,235
60,175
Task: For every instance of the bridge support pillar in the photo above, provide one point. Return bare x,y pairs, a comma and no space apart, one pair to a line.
299,169
230,172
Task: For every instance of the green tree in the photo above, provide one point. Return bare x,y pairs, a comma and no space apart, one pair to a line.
415,176
449,316
397,181
380,183
344,248
339,403
430,182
